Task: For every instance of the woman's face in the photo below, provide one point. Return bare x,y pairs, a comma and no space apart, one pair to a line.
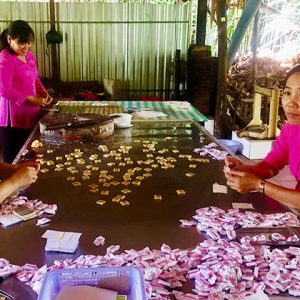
18,47
291,99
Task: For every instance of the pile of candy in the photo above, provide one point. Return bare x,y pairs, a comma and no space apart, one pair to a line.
38,206
217,223
221,268
211,150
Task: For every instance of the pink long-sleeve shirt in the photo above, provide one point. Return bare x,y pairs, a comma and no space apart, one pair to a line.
286,151
18,80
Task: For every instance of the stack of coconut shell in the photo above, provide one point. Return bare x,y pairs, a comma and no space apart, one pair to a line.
269,73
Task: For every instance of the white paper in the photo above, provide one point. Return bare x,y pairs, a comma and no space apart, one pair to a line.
62,246
257,296
61,241
242,205
9,219
85,292
219,188
61,235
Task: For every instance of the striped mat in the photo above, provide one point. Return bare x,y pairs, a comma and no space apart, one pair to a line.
106,108
164,106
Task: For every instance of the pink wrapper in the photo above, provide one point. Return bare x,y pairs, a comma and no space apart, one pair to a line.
112,249
99,241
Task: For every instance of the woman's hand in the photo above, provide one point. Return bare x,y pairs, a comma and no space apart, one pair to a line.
32,164
46,95
36,100
233,163
242,181
23,177
48,98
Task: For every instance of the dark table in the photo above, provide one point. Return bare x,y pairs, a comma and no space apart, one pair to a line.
145,222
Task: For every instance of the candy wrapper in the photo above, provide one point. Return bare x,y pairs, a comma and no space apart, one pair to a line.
99,241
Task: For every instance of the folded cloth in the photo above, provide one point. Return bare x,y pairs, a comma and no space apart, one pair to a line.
150,114
85,292
68,246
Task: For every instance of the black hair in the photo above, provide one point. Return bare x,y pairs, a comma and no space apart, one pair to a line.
291,72
17,30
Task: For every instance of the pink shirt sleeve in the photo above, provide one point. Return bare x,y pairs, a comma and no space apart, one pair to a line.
6,89
278,157
40,88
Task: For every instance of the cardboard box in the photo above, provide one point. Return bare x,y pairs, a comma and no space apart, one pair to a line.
253,149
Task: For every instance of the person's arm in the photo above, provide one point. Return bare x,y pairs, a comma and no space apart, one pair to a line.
288,197
245,182
6,170
21,178
42,92
261,169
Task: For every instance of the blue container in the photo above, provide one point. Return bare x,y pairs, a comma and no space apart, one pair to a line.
124,280
233,146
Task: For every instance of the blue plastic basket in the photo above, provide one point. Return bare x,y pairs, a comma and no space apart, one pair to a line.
125,280
232,145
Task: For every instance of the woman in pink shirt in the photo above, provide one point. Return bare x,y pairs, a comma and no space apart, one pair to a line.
21,92
286,151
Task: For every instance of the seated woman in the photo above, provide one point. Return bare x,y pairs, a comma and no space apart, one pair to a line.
15,177
286,151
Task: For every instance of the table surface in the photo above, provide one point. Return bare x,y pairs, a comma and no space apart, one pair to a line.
145,222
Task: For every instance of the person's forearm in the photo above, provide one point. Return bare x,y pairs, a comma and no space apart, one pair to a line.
288,197
261,170
6,170
7,188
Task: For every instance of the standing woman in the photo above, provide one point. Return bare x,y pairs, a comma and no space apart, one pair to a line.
286,151
21,92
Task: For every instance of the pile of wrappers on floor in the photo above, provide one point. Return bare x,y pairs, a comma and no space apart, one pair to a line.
222,267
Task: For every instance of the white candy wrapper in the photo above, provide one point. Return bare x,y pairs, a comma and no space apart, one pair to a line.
42,221
9,270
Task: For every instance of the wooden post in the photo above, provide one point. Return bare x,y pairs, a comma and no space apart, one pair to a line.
201,22
220,126
273,116
54,60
